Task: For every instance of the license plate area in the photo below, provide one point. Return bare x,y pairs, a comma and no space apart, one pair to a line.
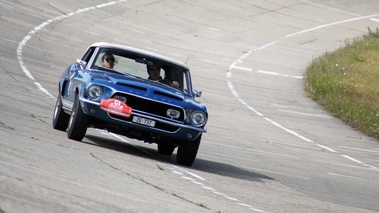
143,121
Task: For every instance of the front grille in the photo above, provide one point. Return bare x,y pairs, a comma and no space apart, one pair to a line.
149,106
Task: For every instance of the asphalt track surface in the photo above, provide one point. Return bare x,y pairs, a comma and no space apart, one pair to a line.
268,148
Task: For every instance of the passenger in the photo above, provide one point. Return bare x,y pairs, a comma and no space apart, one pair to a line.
154,72
107,60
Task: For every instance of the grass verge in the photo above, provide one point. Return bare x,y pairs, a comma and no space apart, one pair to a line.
346,83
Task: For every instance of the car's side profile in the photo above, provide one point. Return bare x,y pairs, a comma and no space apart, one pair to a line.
123,99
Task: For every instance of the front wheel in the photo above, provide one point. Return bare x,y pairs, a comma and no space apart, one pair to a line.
60,118
187,152
77,126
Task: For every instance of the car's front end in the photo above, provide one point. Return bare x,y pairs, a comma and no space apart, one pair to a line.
155,113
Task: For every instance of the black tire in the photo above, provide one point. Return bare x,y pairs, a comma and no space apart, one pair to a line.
60,118
166,148
187,152
77,125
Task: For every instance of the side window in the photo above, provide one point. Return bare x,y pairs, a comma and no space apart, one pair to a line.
88,54
177,74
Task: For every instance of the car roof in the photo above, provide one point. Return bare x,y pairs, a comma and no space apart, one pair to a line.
139,51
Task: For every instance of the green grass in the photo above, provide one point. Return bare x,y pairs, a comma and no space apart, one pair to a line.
346,83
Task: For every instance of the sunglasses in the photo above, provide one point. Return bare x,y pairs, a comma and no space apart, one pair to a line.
109,59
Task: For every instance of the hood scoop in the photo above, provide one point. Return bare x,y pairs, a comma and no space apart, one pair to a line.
132,87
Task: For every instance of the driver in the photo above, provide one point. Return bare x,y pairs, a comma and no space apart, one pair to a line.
154,71
107,60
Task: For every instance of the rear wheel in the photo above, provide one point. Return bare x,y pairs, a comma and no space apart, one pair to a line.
187,152
77,126
166,148
60,118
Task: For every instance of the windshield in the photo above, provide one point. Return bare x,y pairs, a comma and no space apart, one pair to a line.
142,66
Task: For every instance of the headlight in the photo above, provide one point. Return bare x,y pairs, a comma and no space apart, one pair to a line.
94,91
173,113
198,118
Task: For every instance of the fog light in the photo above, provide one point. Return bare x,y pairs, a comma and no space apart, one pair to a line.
189,135
173,113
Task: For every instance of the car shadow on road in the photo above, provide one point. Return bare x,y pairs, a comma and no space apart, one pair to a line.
218,168
228,170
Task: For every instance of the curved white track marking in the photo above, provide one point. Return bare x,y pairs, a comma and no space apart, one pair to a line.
239,60
330,8
331,24
359,149
266,72
327,148
360,162
39,27
199,182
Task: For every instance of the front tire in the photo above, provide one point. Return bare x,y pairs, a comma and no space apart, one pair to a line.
187,152
60,118
77,126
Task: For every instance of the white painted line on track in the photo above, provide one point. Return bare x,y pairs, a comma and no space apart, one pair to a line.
327,148
330,8
352,159
241,68
208,188
360,162
137,31
330,25
190,173
193,178
359,149
40,87
188,178
39,27
183,173
264,72
198,183
108,4
306,114
288,130
346,176
229,76
93,33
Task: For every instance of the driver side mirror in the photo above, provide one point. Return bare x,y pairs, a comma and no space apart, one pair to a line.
82,64
197,93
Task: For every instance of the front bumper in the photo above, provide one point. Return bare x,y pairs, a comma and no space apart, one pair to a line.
172,129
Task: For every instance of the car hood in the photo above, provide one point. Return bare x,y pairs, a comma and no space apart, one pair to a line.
142,87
